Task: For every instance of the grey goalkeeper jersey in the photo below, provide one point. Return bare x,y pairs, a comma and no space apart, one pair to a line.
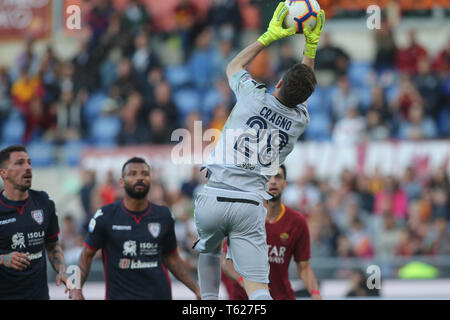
257,137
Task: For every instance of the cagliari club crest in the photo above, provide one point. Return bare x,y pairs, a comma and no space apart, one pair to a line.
154,228
38,216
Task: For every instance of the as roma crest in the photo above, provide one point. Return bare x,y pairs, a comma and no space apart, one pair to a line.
154,228
38,216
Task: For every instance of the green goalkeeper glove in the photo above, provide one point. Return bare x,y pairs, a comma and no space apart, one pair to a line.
312,37
276,30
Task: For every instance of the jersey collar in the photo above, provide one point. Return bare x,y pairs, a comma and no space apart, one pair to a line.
283,211
137,218
18,208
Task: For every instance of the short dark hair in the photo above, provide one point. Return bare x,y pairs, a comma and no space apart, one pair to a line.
6,153
133,160
298,84
283,168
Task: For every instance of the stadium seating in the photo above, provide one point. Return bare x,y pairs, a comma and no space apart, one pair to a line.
178,76
104,131
187,100
42,153
13,129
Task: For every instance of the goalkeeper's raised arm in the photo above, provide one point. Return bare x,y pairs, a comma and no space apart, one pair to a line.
274,32
312,40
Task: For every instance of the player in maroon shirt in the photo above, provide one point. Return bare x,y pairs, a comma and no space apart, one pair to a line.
287,237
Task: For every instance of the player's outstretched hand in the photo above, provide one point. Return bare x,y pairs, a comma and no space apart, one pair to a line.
15,260
276,31
312,36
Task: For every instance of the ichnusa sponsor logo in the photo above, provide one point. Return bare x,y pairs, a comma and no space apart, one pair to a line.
136,264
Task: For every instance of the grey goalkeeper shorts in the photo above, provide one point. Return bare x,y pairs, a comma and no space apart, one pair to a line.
241,216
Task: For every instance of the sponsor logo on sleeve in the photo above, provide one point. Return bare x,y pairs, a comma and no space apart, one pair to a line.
92,225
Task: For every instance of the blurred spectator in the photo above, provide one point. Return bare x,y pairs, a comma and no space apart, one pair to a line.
219,117
49,70
201,62
86,192
164,103
187,23
417,127
144,59
71,240
224,53
407,59
411,184
359,240
86,66
375,130
136,17
188,187
27,59
348,130
428,85
98,20
69,121
134,128
160,131
126,82
225,17
345,219
380,105
109,190
344,247
27,93
364,193
5,93
304,193
359,287
441,64
386,48
331,58
343,99
395,195
387,236
407,96
287,57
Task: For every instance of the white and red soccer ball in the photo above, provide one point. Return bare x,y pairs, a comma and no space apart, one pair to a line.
301,13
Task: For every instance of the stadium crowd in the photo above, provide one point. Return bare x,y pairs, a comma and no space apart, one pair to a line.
131,83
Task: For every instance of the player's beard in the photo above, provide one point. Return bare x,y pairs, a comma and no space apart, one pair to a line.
133,193
275,198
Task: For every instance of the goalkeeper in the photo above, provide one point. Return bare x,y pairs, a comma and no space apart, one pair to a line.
231,202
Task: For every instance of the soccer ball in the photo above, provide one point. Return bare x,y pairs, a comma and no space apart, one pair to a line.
301,13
